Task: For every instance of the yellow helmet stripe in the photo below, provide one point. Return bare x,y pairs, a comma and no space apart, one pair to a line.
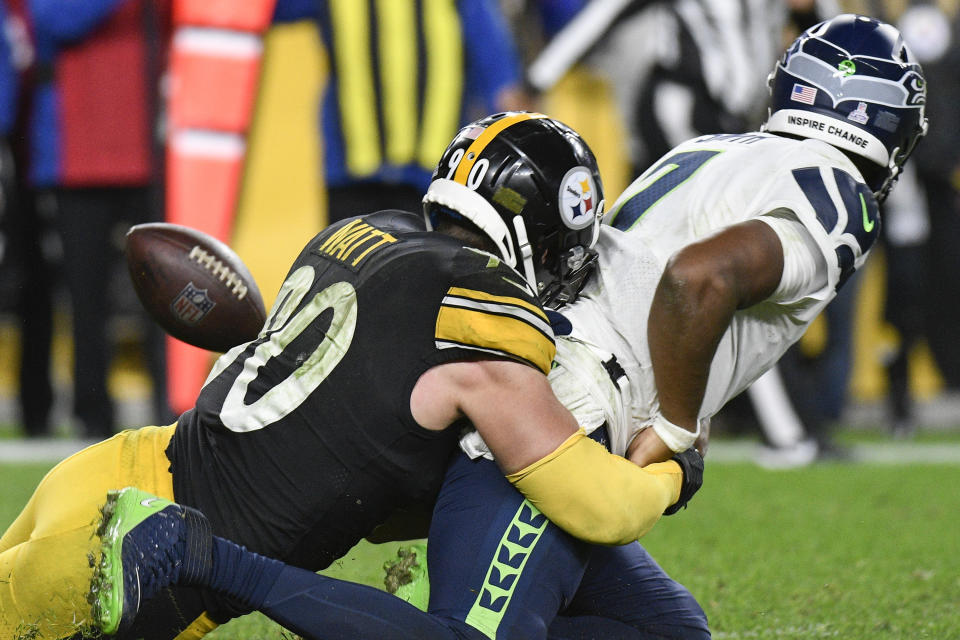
478,145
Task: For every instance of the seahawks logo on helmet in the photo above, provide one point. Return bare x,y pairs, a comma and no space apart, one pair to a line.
868,97
916,89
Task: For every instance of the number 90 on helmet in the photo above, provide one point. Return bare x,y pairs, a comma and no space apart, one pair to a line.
852,82
532,186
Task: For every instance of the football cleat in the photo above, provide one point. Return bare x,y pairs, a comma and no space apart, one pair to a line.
147,543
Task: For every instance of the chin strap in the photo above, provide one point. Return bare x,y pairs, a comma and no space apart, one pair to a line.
526,252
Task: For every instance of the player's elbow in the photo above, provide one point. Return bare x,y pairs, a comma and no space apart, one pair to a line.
693,282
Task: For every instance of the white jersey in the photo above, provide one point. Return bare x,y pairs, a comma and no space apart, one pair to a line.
700,187
810,194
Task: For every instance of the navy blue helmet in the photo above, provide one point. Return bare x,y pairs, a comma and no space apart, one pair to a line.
852,82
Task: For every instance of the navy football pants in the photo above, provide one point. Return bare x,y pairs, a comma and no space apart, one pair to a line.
499,569
500,565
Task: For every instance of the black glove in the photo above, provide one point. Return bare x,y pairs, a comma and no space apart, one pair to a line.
691,463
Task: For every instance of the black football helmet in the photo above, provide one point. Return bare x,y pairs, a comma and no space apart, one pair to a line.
852,82
532,185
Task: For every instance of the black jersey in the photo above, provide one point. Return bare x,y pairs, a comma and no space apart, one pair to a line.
303,440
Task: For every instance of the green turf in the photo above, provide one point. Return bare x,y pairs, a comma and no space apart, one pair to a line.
843,551
832,551
18,482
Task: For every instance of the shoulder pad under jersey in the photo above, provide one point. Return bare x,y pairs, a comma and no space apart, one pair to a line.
845,209
490,308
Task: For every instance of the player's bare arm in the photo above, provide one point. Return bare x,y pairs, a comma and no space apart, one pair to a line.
511,404
587,491
703,285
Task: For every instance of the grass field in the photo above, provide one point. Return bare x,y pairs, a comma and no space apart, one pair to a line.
850,551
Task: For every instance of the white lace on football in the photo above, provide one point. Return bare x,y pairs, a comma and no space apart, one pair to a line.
209,262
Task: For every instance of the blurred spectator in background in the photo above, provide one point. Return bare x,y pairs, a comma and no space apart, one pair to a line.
682,68
922,221
818,379
28,278
905,234
404,76
93,145
536,22
921,230
679,68
933,33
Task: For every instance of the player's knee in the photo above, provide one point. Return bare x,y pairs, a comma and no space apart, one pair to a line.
693,633
694,626
531,628
691,624
680,616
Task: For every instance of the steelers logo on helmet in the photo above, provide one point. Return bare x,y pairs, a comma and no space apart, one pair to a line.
578,198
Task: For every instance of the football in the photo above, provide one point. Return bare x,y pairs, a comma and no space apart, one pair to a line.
194,286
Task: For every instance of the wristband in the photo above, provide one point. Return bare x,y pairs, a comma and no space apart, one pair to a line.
675,437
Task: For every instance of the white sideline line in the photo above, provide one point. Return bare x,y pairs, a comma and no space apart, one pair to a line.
40,450
720,452
874,453
816,631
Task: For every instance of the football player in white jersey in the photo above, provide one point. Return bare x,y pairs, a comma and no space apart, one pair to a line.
712,263
723,252
715,260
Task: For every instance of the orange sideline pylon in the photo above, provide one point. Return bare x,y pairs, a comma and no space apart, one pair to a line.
214,72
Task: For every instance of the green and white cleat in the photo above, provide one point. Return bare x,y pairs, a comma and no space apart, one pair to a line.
144,548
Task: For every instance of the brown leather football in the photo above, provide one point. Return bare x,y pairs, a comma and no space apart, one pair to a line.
194,286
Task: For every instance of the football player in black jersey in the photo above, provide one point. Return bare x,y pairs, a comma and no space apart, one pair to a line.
385,340
498,568
518,161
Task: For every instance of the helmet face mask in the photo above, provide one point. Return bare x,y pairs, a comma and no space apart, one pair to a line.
532,186
575,267
852,82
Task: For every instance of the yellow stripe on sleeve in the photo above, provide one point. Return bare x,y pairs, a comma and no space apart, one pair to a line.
350,25
443,86
398,65
473,294
505,334
477,146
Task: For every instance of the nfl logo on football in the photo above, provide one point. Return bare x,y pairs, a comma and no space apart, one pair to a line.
192,304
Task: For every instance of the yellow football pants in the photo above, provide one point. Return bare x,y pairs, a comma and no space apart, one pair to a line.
46,554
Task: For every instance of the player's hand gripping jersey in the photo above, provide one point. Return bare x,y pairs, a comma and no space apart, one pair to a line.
303,440
807,191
